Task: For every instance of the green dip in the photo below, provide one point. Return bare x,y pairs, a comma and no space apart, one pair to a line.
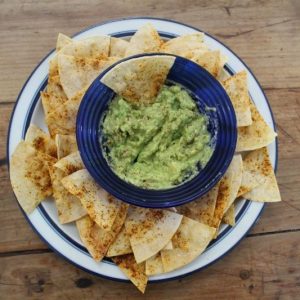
158,145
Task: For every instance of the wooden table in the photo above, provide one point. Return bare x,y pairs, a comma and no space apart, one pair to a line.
266,35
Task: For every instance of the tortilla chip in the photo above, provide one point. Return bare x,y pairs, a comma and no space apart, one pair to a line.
229,217
150,230
255,136
202,209
268,191
228,189
101,207
118,47
92,47
169,245
50,101
77,73
95,238
71,163
41,141
135,272
190,240
62,41
184,44
237,90
139,79
145,40
121,245
29,176
69,207
54,87
154,265
63,119
65,144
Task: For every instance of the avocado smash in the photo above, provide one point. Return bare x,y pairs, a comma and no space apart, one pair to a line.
158,145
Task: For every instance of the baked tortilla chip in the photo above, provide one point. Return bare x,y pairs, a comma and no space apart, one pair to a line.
202,209
65,144
135,272
139,79
228,189
145,40
190,240
268,191
154,265
95,238
150,230
77,73
50,101
62,41
255,136
229,217
40,140
71,163
101,207
29,176
118,47
237,90
184,44
121,245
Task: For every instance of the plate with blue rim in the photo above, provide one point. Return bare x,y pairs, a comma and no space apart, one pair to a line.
64,239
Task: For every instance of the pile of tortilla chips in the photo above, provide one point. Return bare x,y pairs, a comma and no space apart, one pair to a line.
142,242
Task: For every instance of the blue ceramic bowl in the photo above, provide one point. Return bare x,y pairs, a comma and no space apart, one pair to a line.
207,92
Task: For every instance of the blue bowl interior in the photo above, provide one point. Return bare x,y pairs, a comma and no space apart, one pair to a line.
207,92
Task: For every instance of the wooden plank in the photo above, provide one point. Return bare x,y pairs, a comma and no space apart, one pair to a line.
264,33
264,267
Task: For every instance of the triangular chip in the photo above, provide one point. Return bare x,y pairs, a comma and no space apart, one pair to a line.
29,176
118,47
62,41
228,189
77,73
50,101
95,238
40,140
121,245
154,265
139,79
71,163
202,209
101,207
229,217
255,136
184,44
93,47
135,272
190,240
145,40
237,90
65,144
268,191
150,230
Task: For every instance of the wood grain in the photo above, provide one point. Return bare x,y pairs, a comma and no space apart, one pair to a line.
265,34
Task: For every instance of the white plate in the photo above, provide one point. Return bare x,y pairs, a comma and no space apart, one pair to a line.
64,239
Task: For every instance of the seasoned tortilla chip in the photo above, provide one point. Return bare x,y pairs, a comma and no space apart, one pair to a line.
118,47
70,163
237,90
139,79
50,101
77,73
135,272
150,230
121,245
65,144
255,136
154,265
202,209
145,40
92,47
228,189
62,41
95,238
54,87
268,191
184,44
169,245
101,207
189,242
229,217
69,207
40,140
29,176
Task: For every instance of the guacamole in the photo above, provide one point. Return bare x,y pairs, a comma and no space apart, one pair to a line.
158,145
